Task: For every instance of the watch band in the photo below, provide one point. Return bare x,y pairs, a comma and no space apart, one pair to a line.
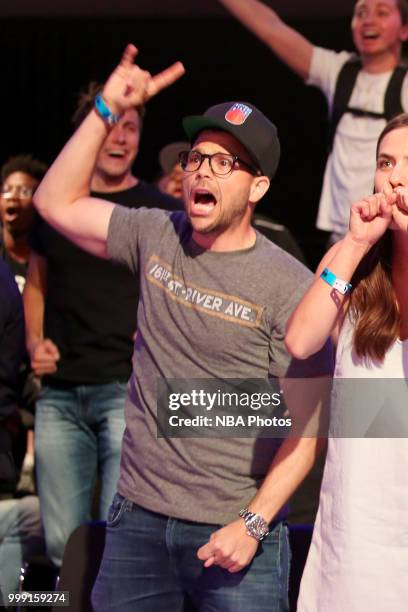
331,279
104,111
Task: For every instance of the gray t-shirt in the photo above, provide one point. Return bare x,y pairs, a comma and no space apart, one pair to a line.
201,314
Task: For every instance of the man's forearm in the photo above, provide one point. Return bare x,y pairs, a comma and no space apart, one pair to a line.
34,316
290,466
34,299
255,15
288,44
232,547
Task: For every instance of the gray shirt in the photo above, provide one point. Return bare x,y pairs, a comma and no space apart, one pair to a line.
201,314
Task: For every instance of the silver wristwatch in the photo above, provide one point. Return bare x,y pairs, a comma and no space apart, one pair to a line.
256,526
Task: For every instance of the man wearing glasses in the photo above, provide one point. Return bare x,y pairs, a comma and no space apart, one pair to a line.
198,517
20,176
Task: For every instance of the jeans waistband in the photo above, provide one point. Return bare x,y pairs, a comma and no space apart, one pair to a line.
130,506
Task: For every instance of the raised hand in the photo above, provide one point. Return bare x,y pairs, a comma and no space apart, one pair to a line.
371,216
129,86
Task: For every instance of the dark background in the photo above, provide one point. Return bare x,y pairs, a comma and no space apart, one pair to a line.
46,60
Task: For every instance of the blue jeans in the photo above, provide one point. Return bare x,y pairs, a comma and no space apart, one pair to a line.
21,536
78,434
150,563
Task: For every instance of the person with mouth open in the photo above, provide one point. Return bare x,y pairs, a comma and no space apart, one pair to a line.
20,176
356,89
81,316
359,551
198,517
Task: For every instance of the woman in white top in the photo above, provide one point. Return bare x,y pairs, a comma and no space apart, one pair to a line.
358,559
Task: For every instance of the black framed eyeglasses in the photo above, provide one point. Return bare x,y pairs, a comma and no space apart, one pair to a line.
221,164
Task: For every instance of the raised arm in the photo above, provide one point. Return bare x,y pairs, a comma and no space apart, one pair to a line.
290,46
63,196
320,312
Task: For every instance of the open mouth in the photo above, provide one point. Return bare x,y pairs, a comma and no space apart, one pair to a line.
370,35
10,214
116,154
203,201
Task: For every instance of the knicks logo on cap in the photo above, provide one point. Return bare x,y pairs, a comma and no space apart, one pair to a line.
238,114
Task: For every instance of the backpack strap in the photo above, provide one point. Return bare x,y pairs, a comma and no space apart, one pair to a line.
344,87
392,99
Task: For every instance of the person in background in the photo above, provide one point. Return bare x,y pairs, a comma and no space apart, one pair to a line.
373,86
81,317
20,176
171,180
20,525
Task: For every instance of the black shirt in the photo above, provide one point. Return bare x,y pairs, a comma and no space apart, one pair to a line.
91,303
11,352
18,269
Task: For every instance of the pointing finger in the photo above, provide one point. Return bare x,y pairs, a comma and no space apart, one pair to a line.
165,78
209,562
204,552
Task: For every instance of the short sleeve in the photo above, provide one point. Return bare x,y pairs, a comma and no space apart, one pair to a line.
129,230
324,70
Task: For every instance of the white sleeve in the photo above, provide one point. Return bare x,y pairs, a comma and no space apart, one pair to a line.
324,70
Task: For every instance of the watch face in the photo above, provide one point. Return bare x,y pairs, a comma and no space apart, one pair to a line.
257,526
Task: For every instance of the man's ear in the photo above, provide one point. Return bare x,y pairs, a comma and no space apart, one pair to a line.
259,187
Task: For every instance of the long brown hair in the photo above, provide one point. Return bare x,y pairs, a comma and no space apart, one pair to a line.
373,302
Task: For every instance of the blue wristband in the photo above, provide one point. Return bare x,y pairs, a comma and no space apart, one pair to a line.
104,111
331,279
